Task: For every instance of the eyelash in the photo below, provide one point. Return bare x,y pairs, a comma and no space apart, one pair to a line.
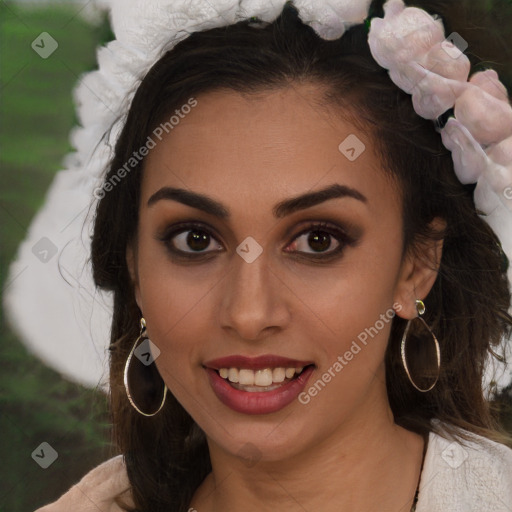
338,234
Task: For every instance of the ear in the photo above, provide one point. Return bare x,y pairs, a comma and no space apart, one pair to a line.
418,272
131,263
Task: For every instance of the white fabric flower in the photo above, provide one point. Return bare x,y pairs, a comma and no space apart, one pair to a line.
501,153
265,10
469,159
439,61
434,95
403,35
330,18
489,81
409,43
488,118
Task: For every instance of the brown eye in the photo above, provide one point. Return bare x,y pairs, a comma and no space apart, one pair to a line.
320,240
194,240
197,241
190,240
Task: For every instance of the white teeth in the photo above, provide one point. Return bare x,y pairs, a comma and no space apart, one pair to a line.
264,378
246,377
278,375
289,372
233,375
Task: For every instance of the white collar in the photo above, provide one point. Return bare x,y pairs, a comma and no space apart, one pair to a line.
465,476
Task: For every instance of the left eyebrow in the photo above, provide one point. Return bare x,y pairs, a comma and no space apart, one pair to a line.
280,210
310,199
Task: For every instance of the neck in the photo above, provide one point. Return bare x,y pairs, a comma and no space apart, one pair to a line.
370,465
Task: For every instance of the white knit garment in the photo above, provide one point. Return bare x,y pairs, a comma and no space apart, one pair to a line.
474,477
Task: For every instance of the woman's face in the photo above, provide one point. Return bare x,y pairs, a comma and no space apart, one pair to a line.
254,277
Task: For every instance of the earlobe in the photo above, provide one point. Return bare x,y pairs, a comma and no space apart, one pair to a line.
131,263
418,273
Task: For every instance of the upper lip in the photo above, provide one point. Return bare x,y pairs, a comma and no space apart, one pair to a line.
255,363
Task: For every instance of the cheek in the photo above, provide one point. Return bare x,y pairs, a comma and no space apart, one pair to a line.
352,319
350,344
348,318
175,303
350,297
176,312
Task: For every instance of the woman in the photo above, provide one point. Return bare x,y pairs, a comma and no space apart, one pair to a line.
319,291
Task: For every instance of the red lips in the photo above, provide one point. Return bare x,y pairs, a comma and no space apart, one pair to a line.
259,402
255,363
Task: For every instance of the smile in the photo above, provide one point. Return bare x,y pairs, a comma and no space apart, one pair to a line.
260,385
258,380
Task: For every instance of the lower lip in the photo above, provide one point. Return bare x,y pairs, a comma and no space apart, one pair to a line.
257,402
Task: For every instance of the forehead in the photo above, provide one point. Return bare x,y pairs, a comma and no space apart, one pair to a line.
268,145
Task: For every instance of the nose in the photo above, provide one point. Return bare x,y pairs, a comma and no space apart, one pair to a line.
255,300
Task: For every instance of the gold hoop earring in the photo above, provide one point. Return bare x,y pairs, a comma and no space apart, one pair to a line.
142,372
423,352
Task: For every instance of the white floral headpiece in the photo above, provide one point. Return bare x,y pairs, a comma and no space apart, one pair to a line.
67,325
411,44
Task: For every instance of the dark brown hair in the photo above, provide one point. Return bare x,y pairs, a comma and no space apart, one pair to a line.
167,455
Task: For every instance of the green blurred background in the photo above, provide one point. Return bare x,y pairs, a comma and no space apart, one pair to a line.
36,115
37,112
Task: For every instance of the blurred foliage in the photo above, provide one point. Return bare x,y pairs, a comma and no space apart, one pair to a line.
37,113
37,404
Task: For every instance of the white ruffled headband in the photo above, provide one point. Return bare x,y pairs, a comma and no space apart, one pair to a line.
67,324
